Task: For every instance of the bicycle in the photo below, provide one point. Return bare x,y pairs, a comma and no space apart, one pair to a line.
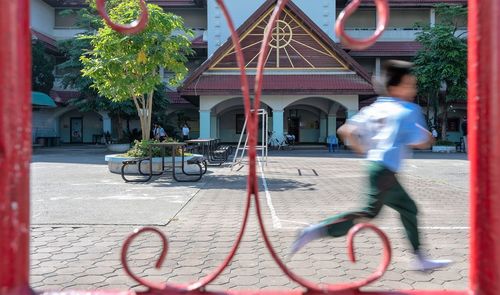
286,141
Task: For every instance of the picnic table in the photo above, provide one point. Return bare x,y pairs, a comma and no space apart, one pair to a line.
211,149
174,146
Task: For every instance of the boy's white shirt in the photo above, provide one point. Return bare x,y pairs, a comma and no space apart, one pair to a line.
387,127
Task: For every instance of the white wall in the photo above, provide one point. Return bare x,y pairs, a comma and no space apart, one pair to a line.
322,12
65,33
227,132
41,17
309,120
92,124
43,123
193,18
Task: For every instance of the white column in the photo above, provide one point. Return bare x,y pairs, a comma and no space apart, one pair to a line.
278,123
332,125
377,66
351,113
323,129
106,122
213,126
205,124
433,17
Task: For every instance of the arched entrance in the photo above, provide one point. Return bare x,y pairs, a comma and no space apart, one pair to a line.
313,119
228,119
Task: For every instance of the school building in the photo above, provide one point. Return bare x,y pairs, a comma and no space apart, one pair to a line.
312,83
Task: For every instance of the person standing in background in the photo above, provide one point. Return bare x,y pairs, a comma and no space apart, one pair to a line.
464,132
185,132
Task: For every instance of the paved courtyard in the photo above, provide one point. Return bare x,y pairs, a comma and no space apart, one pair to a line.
81,215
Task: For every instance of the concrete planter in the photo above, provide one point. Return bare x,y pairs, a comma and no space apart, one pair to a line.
444,149
118,147
115,163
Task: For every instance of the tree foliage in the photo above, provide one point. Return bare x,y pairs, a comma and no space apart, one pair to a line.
124,68
443,60
41,69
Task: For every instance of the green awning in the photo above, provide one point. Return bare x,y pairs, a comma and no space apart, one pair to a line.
42,99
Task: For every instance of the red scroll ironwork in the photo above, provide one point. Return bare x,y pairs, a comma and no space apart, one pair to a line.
132,28
252,181
382,21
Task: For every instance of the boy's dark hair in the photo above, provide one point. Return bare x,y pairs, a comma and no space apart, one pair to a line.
393,71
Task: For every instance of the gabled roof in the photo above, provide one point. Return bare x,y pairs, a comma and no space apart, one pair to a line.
299,49
49,42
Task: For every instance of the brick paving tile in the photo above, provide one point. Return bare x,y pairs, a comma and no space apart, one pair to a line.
203,232
244,280
89,279
59,279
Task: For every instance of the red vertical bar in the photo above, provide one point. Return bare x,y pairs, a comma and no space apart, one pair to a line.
15,145
484,142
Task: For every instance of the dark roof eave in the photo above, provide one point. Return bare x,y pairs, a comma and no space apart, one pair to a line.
414,3
382,54
279,92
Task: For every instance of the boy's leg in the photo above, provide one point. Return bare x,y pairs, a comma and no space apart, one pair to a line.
398,199
380,181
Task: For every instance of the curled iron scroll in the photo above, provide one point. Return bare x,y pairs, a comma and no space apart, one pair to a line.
360,44
128,29
252,182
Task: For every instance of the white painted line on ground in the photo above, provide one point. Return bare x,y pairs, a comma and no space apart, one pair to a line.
277,222
274,216
293,228
430,227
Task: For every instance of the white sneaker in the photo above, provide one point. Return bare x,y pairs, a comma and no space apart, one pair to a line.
422,263
307,235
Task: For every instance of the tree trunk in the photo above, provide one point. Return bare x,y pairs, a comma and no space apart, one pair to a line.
139,105
149,104
444,121
435,105
119,129
428,111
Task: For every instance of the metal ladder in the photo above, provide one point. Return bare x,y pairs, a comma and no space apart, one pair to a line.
242,147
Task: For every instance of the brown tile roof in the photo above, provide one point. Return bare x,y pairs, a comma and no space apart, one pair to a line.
198,42
49,42
395,48
63,96
175,98
282,84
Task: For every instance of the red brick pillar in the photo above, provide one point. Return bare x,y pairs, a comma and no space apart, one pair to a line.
484,141
15,145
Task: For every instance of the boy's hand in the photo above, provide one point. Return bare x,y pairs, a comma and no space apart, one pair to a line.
348,134
426,144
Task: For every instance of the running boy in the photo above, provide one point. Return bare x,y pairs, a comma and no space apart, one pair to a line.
383,132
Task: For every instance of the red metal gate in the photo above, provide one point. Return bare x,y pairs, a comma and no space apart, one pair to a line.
483,113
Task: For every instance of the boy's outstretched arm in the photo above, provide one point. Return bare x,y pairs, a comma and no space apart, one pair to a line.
349,135
427,143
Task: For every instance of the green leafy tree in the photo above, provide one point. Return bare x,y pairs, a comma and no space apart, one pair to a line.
442,61
126,68
41,68
89,99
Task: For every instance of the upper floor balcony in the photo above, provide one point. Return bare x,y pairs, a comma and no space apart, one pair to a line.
391,34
